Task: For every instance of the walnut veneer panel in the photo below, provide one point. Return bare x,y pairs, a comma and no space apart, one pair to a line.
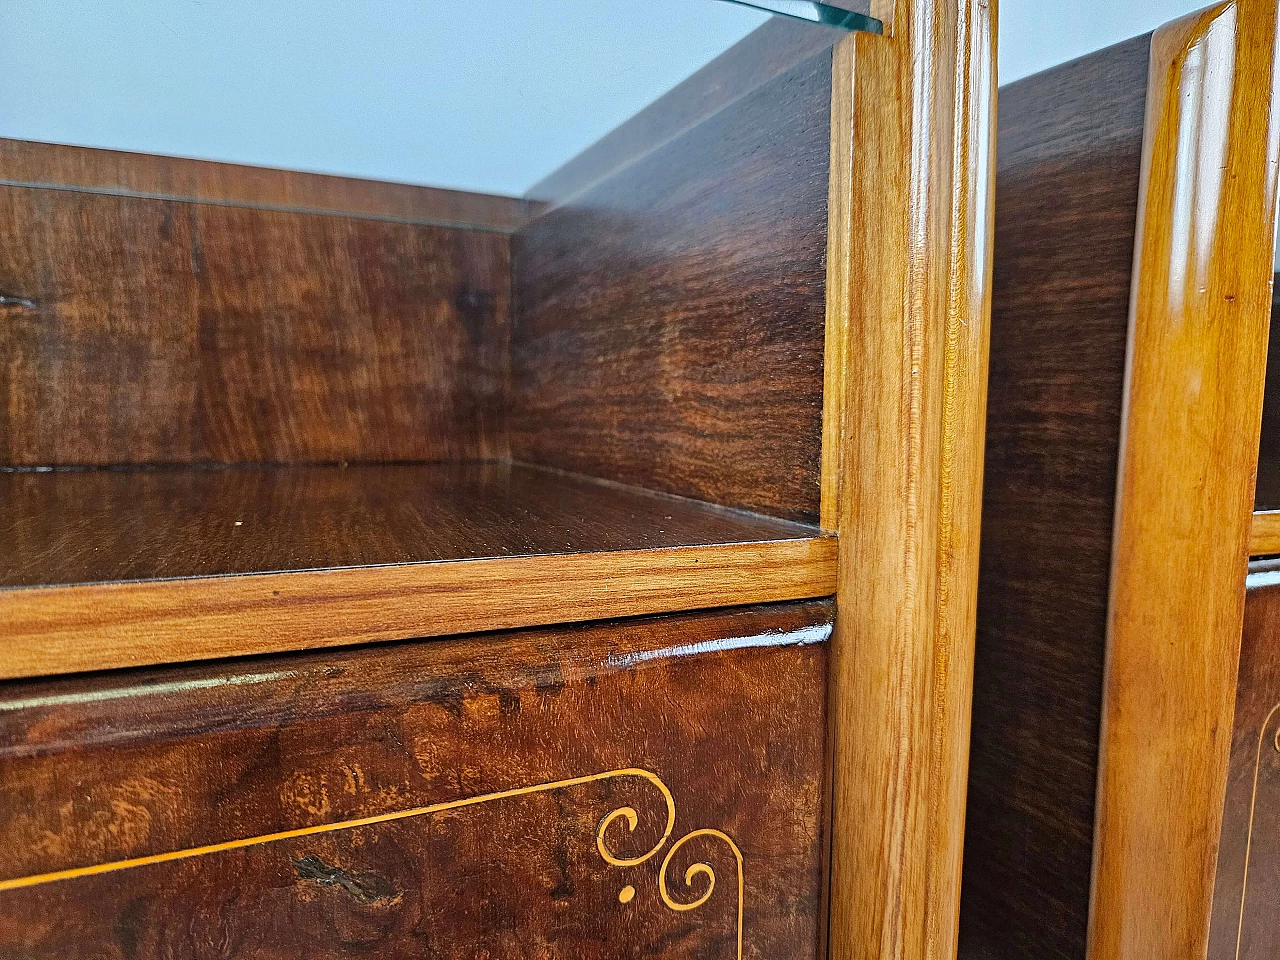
1069,152
669,320
774,47
544,794
97,526
143,174
138,330
1268,492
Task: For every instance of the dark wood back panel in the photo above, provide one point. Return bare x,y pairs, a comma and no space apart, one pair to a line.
143,330
508,756
1069,152
1244,913
1268,492
669,320
772,49
31,163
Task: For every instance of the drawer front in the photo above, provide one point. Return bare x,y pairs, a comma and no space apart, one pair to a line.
643,788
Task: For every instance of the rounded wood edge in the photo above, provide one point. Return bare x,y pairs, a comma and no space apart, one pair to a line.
913,304
59,630
1199,313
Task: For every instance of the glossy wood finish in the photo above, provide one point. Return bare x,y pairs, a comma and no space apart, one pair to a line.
1069,160
779,44
1247,885
1267,495
1264,533
117,173
552,733
912,311
155,331
101,526
1199,315
669,320
292,558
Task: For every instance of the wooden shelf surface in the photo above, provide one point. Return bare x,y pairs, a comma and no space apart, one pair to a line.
104,568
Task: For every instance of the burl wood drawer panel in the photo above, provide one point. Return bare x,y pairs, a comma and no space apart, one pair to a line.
646,788
1246,901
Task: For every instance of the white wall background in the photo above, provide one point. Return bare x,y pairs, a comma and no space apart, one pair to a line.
475,94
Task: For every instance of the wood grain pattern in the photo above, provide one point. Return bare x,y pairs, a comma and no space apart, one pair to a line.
770,50
915,299
149,331
293,558
1267,494
1247,884
1264,532
175,178
98,526
1069,160
1189,451
96,770
669,321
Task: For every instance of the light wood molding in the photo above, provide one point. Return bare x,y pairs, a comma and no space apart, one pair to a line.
1199,314
909,311
1264,533
52,630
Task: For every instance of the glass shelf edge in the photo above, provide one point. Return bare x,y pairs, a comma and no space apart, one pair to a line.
812,11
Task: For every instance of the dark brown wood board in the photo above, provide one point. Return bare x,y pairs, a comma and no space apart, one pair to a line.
1268,490
137,330
516,762
1069,151
774,47
101,526
122,173
670,319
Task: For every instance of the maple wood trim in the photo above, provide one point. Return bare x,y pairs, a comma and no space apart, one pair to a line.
54,630
908,327
1198,324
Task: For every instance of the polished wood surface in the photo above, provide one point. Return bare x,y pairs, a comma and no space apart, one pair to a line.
99,526
1264,533
440,799
1199,315
1247,886
669,320
913,309
776,46
176,565
119,173
1069,157
153,331
1267,495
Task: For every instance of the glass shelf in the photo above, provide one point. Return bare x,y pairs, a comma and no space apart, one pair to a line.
815,12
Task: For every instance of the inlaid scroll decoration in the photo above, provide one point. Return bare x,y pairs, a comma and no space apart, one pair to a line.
703,870
699,876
